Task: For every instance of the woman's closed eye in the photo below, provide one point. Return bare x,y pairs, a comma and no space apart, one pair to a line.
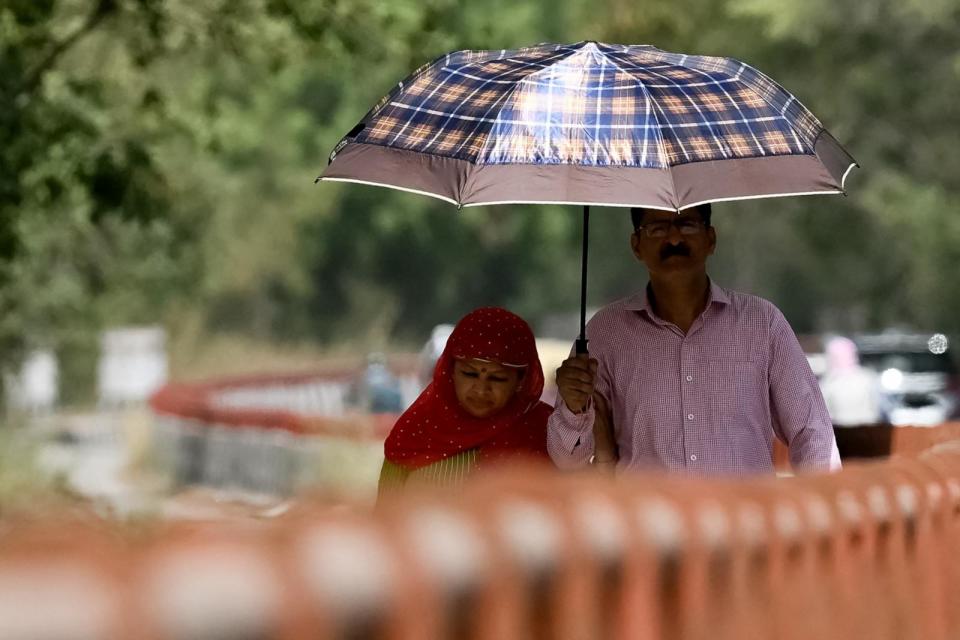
496,378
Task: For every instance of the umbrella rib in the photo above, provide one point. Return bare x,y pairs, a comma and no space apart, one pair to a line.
596,129
659,135
508,95
398,89
791,98
423,102
736,106
503,99
706,121
745,70
449,116
650,100
484,150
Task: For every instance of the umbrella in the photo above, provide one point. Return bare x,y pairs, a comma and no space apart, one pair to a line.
590,124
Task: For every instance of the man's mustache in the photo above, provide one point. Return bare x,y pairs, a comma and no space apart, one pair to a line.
670,250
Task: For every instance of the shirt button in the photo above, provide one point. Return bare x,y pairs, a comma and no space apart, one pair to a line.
693,458
689,378
689,416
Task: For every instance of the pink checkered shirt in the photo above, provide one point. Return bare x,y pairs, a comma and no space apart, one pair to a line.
707,403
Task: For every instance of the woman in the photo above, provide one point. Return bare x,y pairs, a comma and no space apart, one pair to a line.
482,406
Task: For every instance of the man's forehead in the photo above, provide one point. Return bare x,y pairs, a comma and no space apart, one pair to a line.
658,214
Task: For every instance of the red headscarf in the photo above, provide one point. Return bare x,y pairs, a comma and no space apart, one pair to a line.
435,427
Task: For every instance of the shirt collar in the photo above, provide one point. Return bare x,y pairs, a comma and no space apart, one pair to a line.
640,301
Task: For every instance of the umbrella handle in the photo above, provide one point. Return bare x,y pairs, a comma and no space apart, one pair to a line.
581,344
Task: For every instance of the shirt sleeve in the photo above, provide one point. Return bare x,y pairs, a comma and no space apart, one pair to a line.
800,417
570,436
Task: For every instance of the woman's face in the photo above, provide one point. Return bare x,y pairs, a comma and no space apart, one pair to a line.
484,388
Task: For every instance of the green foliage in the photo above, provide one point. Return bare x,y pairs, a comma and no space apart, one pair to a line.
24,486
157,158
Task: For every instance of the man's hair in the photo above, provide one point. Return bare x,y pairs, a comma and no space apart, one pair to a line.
637,213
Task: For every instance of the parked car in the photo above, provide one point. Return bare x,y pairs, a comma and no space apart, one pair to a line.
919,379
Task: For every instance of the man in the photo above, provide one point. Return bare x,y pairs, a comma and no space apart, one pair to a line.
693,377
851,392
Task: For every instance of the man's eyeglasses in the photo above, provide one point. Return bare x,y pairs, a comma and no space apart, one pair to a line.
661,228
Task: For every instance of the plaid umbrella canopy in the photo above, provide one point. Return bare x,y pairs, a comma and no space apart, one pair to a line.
591,124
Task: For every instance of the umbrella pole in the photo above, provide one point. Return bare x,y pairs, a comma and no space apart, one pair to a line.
582,340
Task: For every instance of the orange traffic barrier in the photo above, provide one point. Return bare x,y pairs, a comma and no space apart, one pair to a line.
525,553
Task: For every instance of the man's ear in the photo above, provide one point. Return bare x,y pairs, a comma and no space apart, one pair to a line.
712,239
635,245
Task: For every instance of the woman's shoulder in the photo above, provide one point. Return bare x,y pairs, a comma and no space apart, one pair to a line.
392,478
